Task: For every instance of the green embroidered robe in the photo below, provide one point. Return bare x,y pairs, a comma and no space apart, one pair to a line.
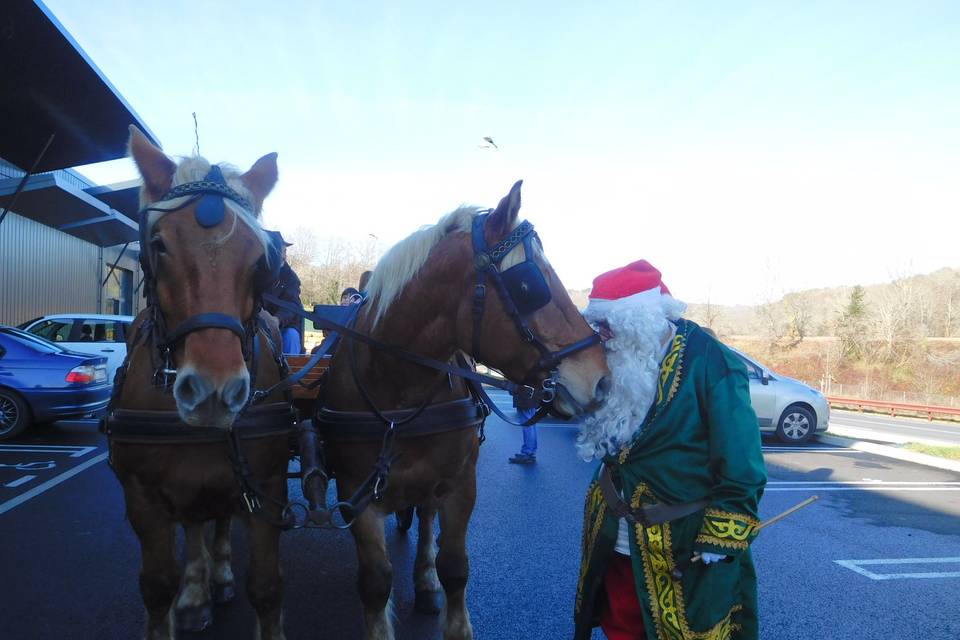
700,440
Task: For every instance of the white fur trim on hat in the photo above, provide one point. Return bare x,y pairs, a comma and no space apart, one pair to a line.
599,307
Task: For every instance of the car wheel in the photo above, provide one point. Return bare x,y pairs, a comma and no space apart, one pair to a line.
14,415
797,425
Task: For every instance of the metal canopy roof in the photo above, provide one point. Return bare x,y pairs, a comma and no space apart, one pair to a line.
50,86
121,196
52,200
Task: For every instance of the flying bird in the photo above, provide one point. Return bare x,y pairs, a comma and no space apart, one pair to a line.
490,143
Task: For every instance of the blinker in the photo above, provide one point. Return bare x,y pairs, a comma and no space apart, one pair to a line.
210,210
527,287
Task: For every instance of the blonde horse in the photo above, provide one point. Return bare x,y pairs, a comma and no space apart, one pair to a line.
186,445
424,296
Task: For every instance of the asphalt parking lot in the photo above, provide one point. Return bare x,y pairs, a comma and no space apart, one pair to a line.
877,556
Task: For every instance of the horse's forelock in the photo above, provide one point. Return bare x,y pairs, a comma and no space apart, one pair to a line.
195,169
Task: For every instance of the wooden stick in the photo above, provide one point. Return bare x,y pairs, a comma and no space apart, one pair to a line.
697,557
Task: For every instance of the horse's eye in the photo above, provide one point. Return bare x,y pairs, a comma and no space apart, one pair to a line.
156,243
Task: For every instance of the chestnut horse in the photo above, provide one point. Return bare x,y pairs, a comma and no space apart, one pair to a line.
186,444
422,296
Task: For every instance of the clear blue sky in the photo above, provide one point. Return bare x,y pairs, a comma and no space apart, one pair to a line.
745,148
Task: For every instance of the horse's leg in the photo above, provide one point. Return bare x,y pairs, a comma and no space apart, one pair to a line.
223,582
264,583
425,582
159,570
453,567
376,574
194,611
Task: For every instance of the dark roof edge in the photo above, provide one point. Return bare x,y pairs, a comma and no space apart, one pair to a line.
103,78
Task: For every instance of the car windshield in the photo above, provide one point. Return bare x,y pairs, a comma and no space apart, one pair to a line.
30,341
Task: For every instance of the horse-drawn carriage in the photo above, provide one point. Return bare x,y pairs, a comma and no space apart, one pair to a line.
206,407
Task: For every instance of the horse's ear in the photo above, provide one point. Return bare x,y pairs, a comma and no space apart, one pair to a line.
503,217
261,178
154,165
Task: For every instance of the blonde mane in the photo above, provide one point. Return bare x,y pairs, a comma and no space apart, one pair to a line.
401,263
195,169
398,265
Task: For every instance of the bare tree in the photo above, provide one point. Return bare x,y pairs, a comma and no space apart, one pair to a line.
327,266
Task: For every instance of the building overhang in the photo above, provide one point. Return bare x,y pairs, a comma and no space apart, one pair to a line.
52,200
121,196
50,86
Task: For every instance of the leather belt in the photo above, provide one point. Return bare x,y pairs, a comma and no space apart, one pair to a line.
646,515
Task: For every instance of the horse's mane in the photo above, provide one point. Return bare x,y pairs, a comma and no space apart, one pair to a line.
194,169
398,265
401,263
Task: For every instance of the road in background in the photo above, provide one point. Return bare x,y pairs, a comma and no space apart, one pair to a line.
872,426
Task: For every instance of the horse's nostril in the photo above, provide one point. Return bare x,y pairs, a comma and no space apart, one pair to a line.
234,393
190,390
603,388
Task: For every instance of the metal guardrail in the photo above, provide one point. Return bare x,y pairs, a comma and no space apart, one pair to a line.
894,407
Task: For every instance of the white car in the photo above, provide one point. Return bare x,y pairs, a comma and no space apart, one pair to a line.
784,406
94,334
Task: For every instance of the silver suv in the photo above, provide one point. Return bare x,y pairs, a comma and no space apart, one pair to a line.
785,406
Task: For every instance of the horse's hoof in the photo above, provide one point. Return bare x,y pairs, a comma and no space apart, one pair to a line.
428,601
194,619
224,593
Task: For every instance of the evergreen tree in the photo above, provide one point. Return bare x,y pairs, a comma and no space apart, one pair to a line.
852,325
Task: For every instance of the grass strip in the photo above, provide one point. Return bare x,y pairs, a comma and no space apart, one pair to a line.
950,453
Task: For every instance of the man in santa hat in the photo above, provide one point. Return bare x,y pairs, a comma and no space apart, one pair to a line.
672,510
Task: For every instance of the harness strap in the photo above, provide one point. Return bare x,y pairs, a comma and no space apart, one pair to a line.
645,515
137,426
206,321
551,360
363,426
326,323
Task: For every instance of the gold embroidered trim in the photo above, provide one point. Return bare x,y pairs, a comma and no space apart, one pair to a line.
719,542
726,529
670,364
717,513
594,503
666,594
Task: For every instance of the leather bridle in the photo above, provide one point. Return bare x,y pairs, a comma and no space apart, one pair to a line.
208,195
523,289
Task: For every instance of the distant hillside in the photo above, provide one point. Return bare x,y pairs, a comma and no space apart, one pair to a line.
898,341
925,305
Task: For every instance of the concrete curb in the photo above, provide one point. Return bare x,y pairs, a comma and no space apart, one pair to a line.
874,435
892,452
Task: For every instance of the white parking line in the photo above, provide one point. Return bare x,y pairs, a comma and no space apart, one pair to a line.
802,449
856,566
73,451
19,481
49,484
860,485
866,482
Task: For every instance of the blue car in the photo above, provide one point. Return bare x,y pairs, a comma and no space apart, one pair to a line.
41,381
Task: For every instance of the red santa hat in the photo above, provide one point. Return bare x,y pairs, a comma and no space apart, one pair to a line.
638,283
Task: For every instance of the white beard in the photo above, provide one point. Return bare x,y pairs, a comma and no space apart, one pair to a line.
633,356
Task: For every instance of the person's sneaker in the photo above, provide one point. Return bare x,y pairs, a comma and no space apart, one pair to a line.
523,458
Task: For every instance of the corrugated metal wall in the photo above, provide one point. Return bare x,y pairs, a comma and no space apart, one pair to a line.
43,270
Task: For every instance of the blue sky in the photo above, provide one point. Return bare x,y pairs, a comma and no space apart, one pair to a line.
746,148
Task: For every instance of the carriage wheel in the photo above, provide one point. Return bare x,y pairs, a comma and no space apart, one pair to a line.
404,519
